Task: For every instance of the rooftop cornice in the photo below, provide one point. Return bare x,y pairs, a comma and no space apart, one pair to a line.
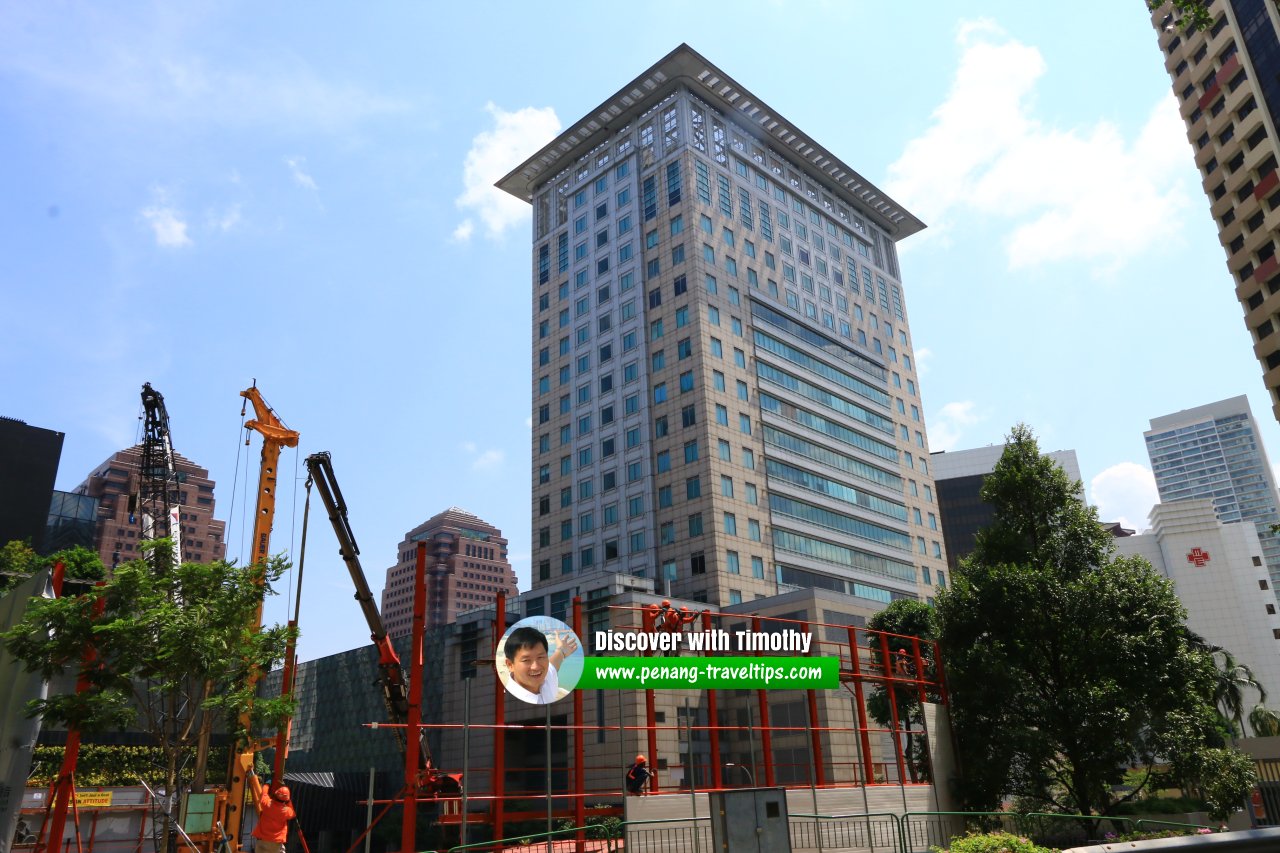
687,66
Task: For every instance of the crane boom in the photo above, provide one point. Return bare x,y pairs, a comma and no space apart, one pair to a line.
275,436
395,688
157,500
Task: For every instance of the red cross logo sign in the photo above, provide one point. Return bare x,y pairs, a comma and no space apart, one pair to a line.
1197,556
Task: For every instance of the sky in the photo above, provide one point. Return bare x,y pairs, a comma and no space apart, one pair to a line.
204,195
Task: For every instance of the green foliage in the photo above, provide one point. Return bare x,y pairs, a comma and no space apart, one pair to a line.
1225,777
18,560
175,647
992,842
1161,833
1188,15
1161,805
1264,721
1065,664
110,764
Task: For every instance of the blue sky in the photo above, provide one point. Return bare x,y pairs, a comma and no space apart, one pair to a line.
207,194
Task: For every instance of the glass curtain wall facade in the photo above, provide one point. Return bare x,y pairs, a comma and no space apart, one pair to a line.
1214,452
724,390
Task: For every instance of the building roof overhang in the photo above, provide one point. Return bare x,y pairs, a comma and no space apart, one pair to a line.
687,66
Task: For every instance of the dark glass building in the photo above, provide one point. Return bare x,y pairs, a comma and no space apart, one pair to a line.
28,467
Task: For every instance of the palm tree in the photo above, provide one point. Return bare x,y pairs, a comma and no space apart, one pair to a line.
1264,721
1232,679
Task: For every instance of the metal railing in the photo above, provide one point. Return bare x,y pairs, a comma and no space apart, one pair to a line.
876,832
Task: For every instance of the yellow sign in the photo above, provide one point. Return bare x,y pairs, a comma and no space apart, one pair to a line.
92,799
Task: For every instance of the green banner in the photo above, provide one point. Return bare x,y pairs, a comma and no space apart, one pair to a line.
717,673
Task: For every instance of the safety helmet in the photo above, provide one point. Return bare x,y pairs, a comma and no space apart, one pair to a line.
666,602
639,759
281,793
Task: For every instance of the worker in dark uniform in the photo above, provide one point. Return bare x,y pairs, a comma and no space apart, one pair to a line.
637,776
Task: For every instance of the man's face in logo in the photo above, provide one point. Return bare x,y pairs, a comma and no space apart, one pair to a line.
529,667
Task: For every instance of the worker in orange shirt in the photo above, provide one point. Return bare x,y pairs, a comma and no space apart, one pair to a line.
274,813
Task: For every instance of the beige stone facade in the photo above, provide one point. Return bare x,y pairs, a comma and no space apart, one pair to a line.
724,394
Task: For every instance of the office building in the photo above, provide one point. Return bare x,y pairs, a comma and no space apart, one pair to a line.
1215,452
959,475
725,397
1224,79
466,569
1218,572
118,529
28,467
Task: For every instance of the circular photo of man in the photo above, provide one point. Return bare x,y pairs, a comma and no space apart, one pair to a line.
539,660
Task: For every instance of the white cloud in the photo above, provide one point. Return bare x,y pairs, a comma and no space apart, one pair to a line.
490,460
1125,493
166,221
483,460
949,424
463,232
924,356
300,177
1066,193
150,64
225,220
495,152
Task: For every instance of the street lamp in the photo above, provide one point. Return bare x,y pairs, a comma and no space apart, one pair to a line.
744,769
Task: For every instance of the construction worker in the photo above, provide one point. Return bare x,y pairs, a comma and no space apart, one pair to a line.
637,776
275,810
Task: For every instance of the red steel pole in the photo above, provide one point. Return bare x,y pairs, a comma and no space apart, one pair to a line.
499,734
867,771
412,749
815,736
766,733
579,772
915,651
713,721
893,706
63,789
286,689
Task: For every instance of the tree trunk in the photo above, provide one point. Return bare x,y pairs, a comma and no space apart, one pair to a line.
202,744
171,795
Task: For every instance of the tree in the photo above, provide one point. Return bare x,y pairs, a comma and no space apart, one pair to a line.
908,618
176,648
1065,664
1188,15
1264,721
18,560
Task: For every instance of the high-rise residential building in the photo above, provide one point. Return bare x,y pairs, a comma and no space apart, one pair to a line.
725,397
119,526
1215,452
466,568
959,475
1224,78
1218,573
28,467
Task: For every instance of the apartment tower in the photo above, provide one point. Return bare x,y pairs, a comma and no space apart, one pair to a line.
1225,81
1215,452
725,397
466,569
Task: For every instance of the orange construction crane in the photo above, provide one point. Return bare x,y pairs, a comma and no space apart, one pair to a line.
275,436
